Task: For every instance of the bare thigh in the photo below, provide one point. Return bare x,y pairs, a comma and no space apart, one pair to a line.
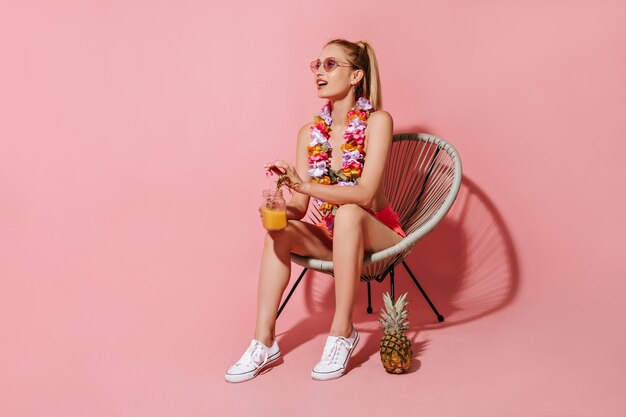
308,240
376,235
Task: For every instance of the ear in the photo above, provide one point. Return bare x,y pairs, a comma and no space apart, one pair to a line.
358,76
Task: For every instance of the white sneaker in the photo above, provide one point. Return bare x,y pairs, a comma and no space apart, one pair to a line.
253,360
335,357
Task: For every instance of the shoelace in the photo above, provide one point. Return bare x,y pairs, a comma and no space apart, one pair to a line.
332,356
255,351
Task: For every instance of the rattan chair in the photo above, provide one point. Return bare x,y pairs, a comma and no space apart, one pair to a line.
422,181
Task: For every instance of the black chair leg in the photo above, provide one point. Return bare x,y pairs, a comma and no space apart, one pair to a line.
291,292
391,285
439,316
369,291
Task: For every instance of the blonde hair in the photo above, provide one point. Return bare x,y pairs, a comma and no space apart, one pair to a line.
361,55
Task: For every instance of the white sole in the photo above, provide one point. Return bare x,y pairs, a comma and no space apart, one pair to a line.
325,377
252,374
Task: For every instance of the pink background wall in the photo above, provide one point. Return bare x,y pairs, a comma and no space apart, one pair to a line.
133,137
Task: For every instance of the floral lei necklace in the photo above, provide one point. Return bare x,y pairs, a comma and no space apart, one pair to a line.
320,152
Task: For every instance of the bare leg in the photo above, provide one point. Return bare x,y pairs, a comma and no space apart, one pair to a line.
355,231
298,237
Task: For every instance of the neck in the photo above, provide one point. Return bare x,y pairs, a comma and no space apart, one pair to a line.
341,107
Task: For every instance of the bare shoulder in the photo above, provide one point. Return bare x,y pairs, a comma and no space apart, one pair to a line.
305,133
304,130
380,117
379,127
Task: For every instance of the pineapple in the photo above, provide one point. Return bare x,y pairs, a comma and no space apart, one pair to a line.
395,348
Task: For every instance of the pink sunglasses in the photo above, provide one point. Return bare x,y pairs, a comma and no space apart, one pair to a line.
330,64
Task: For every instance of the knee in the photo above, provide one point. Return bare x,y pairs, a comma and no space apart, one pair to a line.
283,235
348,215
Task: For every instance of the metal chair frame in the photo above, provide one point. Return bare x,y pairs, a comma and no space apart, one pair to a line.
417,166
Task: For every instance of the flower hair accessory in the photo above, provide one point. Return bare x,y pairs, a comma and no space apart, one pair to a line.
353,158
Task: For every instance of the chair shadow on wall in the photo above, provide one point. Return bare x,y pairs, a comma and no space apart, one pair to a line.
467,265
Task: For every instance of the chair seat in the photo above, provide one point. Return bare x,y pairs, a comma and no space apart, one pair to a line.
402,247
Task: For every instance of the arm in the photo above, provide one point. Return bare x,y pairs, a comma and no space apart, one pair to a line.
299,203
378,144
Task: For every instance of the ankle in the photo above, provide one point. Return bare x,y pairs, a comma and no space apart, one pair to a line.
266,340
344,331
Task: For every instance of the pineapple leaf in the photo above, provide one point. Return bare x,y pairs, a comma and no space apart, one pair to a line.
388,302
386,317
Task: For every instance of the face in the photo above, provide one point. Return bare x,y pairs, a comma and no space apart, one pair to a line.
339,78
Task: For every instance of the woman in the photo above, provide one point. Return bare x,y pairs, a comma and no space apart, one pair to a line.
356,214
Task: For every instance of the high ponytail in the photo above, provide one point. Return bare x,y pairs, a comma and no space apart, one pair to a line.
361,55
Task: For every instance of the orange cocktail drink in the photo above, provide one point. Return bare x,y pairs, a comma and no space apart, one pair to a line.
274,210
274,219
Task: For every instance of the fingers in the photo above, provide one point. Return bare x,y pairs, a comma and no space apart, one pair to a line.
276,170
279,163
290,176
